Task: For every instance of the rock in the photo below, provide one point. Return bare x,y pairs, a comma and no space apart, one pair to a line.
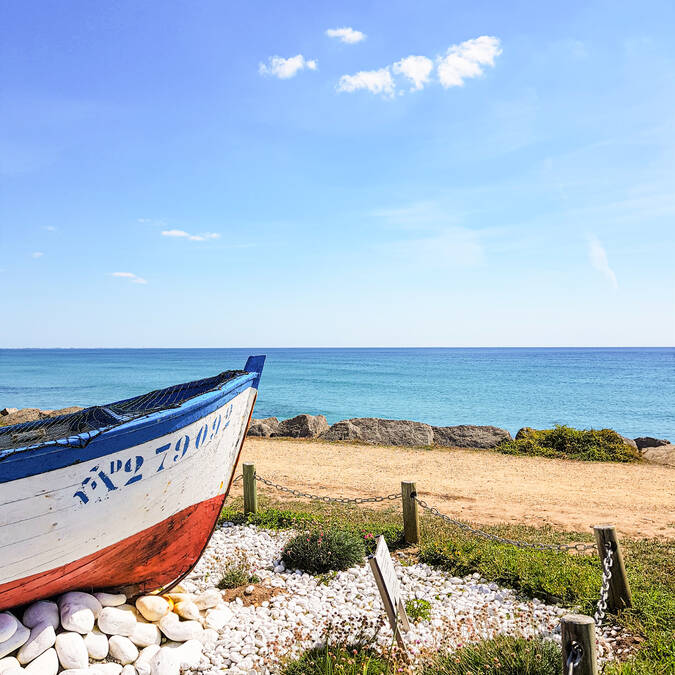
249,589
45,664
16,640
8,625
42,637
470,436
21,416
664,454
180,631
209,637
145,634
218,618
187,610
143,661
78,611
111,599
61,411
76,671
165,662
116,621
97,645
122,649
105,669
152,607
381,432
128,670
629,441
179,597
8,662
302,426
41,611
524,433
264,427
8,411
209,598
188,654
71,650
650,442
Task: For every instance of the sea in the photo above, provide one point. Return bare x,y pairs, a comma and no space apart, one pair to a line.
630,390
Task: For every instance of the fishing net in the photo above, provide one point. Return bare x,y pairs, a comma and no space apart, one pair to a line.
77,429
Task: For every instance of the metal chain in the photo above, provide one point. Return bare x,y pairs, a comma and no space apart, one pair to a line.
337,500
604,589
238,478
580,548
574,657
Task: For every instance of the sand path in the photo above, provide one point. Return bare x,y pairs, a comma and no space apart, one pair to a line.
480,486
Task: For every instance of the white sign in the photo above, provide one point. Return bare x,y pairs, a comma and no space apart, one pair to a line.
389,587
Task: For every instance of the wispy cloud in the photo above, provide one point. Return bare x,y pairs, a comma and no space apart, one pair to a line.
134,278
466,60
182,234
346,34
50,228
460,62
36,254
374,81
284,69
598,258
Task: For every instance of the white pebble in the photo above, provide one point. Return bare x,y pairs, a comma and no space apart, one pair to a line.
18,637
42,637
80,598
8,662
8,625
165,662
105,669
145,634
71,650
143,661
41,611
180,631
116,621
45,664
187,610
97,645
122,649
208,599
111,599
152,607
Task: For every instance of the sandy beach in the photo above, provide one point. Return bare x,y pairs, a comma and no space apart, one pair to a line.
479,486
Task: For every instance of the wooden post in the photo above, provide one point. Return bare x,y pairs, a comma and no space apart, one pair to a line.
411,518
619,591
250,489
580,629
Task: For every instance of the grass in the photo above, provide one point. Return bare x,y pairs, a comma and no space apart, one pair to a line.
418,609
571,580
591,445
237,573
336,660
324,549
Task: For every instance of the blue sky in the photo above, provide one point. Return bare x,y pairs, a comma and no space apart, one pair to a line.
232,174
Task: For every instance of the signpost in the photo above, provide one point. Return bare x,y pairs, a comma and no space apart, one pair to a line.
390,590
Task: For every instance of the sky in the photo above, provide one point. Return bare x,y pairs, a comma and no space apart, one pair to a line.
297,174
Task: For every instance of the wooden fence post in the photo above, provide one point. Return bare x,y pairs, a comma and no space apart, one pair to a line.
411,518
579,629
250,489
619,596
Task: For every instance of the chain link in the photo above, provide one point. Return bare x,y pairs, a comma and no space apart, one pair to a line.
604,589
579,548
320,498
574,657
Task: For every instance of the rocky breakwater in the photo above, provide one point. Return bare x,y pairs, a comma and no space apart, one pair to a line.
100,634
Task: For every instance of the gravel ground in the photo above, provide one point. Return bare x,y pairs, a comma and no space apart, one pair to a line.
289,612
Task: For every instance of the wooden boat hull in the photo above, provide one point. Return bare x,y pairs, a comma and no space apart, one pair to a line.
136,515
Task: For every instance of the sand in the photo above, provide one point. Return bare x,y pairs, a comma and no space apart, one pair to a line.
479,486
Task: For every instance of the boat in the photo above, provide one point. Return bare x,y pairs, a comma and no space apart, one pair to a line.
122,497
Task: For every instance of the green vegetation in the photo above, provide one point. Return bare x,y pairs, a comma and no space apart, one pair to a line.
237,573
501,656
418,609
335,660
321,550
573,580
591,445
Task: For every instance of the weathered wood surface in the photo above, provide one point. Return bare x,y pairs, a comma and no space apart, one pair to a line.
411,518
580,629
619,589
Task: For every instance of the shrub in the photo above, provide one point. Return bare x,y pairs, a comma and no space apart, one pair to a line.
418,609
334,660
592,445
502,656
321,550
237,572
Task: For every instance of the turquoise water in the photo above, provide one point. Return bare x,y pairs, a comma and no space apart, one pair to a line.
630,390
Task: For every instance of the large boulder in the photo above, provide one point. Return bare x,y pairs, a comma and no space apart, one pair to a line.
650,442
629,441
302,426
32,415
524,432
381,432
470,436
263,428
8,411
664,454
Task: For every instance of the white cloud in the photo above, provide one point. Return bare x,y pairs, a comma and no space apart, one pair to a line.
50,228
348,35
466,59
135,279
182,234
37,254
375,81
416,68
598,257
286,68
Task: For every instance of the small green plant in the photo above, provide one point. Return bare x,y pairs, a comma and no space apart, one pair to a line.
500,656
418,609
336,660
591,445
237,572
322,550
